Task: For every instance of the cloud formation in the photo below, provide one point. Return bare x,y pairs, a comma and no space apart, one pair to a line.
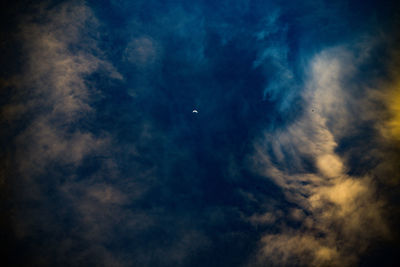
81,188
60,57
53,95
338,214
292,159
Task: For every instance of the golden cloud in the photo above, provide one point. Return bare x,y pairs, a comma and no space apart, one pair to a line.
339,214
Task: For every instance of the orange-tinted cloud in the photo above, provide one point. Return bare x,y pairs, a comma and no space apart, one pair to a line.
339,214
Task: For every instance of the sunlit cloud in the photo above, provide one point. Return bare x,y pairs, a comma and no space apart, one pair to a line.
58,63
390,94
216,133
339,214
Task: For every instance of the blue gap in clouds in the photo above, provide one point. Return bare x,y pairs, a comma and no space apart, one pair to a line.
227,91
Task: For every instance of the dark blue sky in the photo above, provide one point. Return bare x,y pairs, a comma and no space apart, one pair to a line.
291,160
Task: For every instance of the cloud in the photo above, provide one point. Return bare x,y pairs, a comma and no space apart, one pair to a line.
339,214
109,167
389,94
53,95
54,89
83,191
273,58
141,51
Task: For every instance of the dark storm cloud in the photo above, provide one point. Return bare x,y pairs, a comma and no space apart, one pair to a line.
112,168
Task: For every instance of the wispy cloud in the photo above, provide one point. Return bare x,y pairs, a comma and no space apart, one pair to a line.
53,95
108,166
339,214
273,58
82,214
54,88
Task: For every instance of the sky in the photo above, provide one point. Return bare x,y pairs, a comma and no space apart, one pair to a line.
292,158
